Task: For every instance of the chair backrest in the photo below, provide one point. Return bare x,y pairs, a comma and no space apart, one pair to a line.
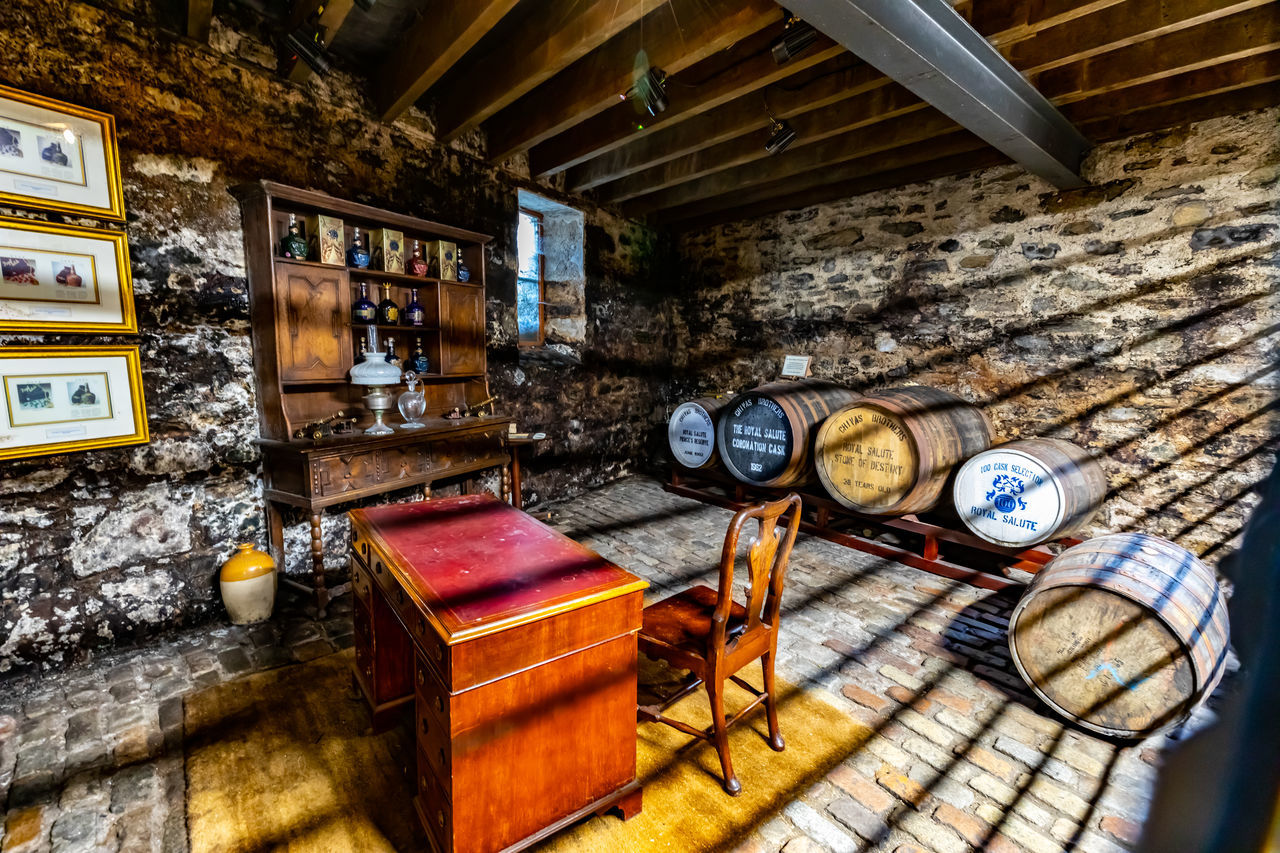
767,558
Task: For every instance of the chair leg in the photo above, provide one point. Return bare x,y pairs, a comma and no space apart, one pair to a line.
715,691
771,704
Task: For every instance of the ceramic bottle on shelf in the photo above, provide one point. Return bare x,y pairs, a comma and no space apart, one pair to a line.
464,272
364,311
388,310
291,244
357,255
392,358
416,265
418,361
414,313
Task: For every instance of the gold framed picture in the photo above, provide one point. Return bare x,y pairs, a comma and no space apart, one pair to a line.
57,156
64,278
68,399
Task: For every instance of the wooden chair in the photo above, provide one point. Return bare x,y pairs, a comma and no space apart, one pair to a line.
708,633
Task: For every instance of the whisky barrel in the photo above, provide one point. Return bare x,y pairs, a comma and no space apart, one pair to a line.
691,432
891,452
1124,634
1027,492
764,435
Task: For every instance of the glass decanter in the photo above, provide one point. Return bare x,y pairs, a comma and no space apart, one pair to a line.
412,403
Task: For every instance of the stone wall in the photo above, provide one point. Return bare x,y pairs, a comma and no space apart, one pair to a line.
1136,317
108,547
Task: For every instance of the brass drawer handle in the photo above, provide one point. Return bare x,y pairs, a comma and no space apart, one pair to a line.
421,680
440,704
425,726
442,760
440,818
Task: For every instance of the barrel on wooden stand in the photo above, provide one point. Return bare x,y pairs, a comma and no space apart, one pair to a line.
891,452
1027,492
1125,634
691,432
764,435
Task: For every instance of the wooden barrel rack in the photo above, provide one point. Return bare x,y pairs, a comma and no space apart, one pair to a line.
827,519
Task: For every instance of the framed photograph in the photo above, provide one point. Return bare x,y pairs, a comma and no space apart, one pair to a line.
64,278
66,399
56,156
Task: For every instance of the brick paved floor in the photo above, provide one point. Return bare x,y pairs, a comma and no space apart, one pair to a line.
91,759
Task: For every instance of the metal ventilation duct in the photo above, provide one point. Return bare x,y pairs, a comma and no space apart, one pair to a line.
928,48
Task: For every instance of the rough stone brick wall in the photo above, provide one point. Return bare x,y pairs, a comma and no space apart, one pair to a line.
102,548
1136,317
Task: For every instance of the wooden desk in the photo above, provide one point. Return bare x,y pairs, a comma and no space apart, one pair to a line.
315,474
518,647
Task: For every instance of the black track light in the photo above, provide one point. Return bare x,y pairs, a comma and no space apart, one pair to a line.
304,45
795,38
783,136
649,90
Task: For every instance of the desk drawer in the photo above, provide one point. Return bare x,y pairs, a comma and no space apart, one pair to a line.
347,472
463,450
360,547
361,583
433,807
433,648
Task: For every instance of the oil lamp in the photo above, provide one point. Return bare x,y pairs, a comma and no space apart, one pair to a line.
375,373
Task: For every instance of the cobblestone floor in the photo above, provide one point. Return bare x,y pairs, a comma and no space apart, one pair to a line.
963,757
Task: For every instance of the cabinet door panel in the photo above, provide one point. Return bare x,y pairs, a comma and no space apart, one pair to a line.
462,329
313,337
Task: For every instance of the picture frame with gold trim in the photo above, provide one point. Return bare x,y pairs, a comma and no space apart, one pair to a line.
64,278
58,156
70,399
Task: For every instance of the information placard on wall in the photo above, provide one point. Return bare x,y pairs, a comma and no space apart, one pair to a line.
796,366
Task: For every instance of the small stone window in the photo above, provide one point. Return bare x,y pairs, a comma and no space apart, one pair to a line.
551,306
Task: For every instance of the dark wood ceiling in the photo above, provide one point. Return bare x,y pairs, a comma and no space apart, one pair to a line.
544,77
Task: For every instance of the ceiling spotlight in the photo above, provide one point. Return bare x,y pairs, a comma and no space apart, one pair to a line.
783,136
795,38
649,90
304,45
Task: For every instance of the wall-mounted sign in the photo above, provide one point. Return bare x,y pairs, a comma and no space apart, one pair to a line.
796,366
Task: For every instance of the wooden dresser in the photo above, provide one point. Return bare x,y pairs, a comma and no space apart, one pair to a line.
518,648
305,343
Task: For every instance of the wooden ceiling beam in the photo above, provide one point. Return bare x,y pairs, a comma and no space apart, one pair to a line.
1235,87
557,34
834,81
199,19
332,15
1003,23
840,125
701,174
434,44
675,36
618,125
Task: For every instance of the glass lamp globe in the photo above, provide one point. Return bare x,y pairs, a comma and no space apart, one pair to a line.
375,373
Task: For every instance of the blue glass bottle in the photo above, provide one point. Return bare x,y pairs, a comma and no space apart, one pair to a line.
414,313
357,255
364,311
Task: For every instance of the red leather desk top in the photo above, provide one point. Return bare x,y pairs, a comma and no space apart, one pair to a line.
476,565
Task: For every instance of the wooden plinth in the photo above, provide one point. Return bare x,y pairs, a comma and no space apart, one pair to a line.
829,520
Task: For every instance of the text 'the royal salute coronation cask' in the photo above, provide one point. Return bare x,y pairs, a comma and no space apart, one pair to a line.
764,435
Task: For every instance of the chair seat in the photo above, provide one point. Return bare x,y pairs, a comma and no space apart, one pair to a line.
684,619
